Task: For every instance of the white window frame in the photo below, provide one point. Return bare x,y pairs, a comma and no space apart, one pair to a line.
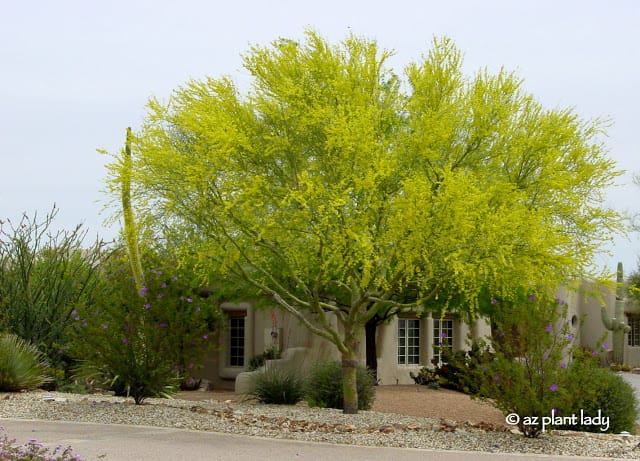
633,337
441,341
408,341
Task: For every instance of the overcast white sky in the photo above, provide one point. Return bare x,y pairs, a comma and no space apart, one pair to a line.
75,73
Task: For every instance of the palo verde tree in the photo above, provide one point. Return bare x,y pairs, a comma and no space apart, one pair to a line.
337,190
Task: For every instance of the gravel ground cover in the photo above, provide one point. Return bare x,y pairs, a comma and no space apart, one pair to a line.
211,412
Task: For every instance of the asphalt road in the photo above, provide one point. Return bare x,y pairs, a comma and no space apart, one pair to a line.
634,380
96,442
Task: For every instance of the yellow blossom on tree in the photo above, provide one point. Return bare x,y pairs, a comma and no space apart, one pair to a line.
336,188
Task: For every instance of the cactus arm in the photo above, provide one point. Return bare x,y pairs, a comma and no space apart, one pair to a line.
606,320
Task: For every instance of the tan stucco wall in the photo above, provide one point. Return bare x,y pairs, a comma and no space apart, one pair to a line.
592,329
632,356
258,338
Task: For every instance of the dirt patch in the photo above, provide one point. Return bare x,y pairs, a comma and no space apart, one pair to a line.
411,400
421,401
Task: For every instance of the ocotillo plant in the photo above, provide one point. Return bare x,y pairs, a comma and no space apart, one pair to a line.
616,324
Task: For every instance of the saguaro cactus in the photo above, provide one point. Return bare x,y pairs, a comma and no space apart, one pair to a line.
616,324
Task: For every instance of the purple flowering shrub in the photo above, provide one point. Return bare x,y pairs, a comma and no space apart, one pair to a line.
145,343
538,372
528,375
33,451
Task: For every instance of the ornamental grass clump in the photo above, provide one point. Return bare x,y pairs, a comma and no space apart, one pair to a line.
145,342
277,386
22,366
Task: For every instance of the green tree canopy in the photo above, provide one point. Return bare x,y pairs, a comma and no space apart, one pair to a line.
334,185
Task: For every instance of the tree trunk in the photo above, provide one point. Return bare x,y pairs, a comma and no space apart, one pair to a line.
370,330
349,377
349,370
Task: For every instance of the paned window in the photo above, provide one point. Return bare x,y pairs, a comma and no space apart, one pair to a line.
408,341
442,338
634,334
236,338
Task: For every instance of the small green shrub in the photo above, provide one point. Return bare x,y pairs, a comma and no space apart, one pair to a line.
74,387
323,386
56,378
452,370
601,390
279,387
426,377
620,367
190,384
259,360
22,366
460,370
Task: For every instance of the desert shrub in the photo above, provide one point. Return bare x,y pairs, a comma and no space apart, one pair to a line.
22,366
44,275
259,360
75,387
461,370
451,370
620,367
528,375
323,386
277,386
141,375
33,451
600,390
144,343
426,377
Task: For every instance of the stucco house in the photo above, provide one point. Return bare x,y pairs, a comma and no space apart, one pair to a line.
584,313
404,344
